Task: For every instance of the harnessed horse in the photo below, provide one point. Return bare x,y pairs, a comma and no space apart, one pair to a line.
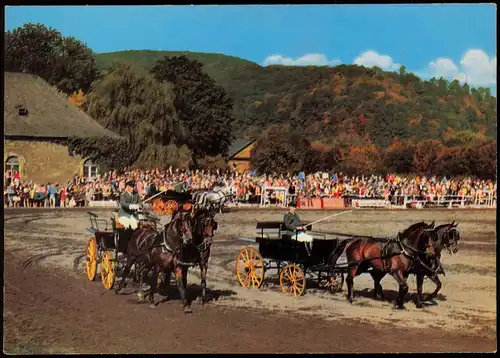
398,257
149,249
447,238
198,251
213,199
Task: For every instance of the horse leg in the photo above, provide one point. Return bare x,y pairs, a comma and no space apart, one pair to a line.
203,272
403,289
143,272
182,288
350,283
434,278
154,279
378,292
126,272
420,285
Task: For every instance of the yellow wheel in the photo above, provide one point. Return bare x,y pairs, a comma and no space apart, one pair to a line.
171,206
107,270
158,207
91,259
292,280
250,268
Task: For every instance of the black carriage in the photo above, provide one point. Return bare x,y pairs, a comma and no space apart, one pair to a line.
296,262
169,201
109,239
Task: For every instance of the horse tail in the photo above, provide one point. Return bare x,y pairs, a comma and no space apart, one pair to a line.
334,256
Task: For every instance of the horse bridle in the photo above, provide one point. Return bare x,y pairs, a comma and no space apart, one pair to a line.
185,238
451,241
426,251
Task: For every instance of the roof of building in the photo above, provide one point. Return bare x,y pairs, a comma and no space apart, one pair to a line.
237,146
49,114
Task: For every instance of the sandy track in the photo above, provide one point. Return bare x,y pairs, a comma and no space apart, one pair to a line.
56,240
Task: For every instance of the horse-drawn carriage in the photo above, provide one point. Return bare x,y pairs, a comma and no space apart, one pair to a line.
108,241
169,201
296,262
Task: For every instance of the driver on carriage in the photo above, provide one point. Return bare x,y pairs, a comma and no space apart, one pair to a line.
294,227
130,202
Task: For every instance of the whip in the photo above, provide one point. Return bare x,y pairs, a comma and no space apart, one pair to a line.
327,217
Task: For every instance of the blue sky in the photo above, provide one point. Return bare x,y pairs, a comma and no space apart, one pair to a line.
454,41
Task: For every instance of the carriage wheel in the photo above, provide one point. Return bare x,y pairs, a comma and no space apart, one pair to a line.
335,282
91,259
108,270
250,268
292,280
158,206
171,206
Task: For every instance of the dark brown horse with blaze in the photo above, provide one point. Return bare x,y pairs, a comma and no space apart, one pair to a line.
152,250
447,237
397,257
197,252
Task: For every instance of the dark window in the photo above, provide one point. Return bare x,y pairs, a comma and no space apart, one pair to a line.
12,164
89,169
21,110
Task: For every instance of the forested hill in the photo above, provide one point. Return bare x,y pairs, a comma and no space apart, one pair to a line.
335,104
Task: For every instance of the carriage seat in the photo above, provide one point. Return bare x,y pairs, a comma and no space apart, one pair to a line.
274,230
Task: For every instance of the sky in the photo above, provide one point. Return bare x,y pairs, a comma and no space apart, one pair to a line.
456,41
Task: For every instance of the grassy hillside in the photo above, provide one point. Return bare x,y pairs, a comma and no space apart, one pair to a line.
342,104
213,62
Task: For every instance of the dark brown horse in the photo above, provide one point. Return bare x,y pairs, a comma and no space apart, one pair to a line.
447,237
377,275
397,257
151,250
197,252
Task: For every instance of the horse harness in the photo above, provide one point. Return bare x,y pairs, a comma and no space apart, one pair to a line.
386,253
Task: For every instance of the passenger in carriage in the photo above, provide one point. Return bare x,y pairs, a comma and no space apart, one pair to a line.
130,202
294,226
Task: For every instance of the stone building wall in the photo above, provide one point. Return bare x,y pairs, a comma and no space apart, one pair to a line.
43,161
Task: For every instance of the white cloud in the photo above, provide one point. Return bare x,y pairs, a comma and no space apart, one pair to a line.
311,59
476,68
372,58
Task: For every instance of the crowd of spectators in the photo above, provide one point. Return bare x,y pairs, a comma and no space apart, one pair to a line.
247,186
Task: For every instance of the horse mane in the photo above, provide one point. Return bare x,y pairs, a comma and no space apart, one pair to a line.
443,226
413,227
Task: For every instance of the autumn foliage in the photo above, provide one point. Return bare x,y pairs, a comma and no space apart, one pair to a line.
79,99
279,150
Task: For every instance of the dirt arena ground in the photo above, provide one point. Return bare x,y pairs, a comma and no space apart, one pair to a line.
51,307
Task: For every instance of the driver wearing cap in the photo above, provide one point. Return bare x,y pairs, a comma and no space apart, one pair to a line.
130,202
293,225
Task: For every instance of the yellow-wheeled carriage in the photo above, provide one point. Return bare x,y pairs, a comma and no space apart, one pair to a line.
109,239
296,262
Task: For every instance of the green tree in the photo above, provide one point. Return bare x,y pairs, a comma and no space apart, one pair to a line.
279,149
204,109
63,62
135,106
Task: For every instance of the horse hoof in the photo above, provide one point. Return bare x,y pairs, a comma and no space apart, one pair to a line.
419,305
118,291
140,295
152,305
187,310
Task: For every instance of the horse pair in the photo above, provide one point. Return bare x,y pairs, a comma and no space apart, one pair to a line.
416,250
184,242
